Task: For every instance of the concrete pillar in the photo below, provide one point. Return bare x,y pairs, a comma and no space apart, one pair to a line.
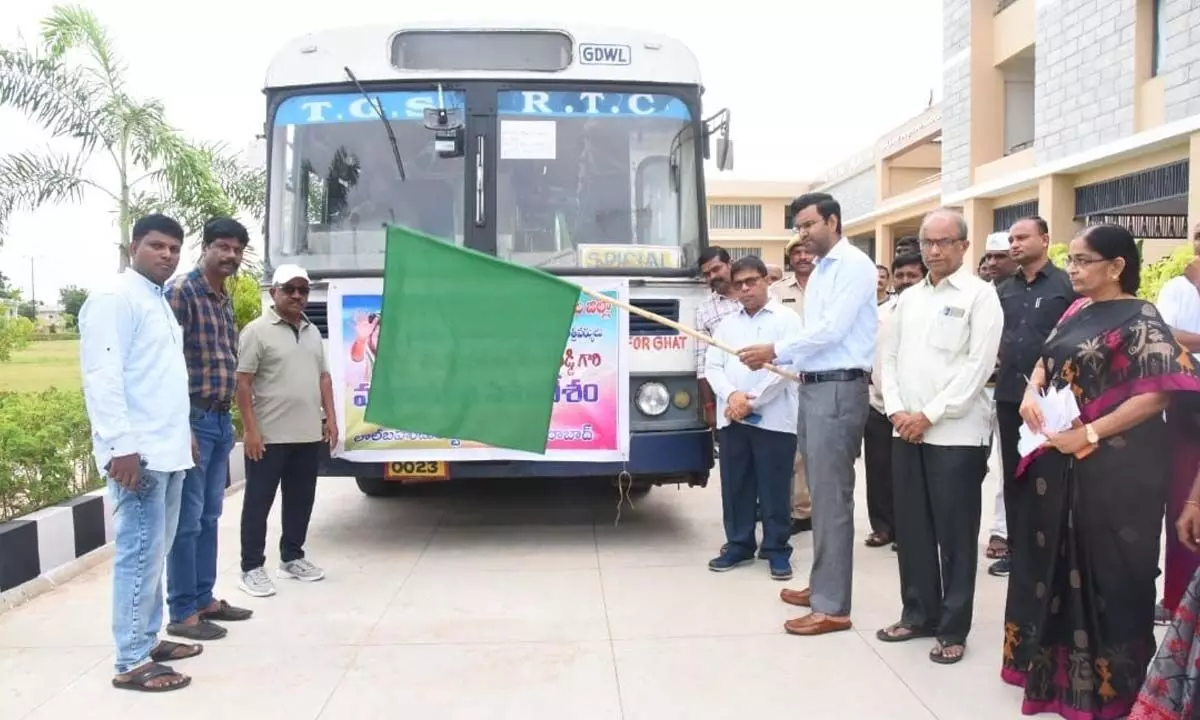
885,244
978,214
1193,207
1056,205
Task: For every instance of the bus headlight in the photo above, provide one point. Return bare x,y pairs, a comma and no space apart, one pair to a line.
652,399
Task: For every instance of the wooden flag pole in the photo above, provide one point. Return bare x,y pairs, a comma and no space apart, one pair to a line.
684,329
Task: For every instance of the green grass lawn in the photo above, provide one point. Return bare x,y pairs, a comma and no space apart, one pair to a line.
41,366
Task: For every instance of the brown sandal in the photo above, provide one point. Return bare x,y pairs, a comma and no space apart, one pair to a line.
997,548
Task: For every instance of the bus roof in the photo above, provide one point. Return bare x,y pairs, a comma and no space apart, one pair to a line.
320,58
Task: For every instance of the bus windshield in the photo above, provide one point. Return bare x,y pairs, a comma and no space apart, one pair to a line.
581,178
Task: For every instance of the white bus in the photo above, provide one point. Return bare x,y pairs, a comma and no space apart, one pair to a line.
578,150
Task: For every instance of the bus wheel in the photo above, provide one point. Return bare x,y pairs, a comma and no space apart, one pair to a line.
377,487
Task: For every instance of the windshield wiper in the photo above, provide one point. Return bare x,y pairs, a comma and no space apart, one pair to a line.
378,105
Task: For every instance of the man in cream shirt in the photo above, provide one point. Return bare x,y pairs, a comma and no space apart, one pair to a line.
937,358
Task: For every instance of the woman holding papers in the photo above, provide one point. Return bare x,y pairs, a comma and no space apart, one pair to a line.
1079,621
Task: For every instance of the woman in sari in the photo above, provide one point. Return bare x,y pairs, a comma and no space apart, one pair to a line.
1079,618
1173,683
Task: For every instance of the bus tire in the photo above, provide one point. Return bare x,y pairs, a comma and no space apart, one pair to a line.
376,487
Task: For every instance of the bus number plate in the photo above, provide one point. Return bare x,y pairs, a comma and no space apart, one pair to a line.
414,471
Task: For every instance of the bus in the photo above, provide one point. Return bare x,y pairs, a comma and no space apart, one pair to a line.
576,150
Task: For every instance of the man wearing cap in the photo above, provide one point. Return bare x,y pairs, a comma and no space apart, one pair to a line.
997,266
790,292
204,309
1034,299
283,389
997,261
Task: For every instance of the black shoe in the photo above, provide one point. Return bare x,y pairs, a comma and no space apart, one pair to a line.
800,525
1001,568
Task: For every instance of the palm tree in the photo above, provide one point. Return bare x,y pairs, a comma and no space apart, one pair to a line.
72,83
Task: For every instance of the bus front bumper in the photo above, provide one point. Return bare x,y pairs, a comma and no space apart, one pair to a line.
680,456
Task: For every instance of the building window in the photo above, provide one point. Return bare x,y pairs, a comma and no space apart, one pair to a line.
736,254
735,217
789,220
1157,47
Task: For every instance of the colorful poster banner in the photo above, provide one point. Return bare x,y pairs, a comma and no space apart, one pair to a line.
590,420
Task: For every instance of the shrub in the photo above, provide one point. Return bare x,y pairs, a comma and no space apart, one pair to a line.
45,451
247,298
1156,274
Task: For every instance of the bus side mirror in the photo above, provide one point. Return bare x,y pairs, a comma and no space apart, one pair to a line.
724,154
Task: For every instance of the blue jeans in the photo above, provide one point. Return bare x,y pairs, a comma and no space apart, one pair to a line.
192,567
144,522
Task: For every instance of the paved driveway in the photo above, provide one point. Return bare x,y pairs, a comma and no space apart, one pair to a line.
472,603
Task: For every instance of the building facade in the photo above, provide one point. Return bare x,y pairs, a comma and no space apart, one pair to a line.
750,217
1080,111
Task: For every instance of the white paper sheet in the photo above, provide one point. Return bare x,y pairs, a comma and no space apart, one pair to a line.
1059,410
528,140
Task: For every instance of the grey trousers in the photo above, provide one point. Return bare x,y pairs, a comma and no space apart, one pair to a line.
833,416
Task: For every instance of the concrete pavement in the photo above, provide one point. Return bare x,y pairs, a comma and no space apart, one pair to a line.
478,603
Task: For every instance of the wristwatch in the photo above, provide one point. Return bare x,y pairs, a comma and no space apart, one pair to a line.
1092,436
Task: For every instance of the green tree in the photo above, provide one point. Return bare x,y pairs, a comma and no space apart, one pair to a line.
28,310
73,84
246,293
7,291
71,299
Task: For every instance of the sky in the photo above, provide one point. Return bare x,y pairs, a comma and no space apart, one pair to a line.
807,86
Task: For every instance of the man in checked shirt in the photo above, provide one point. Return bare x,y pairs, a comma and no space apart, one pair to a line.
722,300
205,311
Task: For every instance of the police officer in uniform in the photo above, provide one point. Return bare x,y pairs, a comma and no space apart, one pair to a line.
790,292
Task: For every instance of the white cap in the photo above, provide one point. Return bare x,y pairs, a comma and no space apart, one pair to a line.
997,242
284,273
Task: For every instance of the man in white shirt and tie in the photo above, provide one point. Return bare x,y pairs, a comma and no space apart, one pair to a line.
756,420
937,358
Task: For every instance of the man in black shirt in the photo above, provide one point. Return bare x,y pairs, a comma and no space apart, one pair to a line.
1034,298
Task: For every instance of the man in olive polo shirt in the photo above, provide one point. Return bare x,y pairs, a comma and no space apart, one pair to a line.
283,389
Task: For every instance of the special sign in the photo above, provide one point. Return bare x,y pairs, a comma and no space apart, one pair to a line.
641,257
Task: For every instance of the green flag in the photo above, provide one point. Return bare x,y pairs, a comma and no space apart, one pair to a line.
470,346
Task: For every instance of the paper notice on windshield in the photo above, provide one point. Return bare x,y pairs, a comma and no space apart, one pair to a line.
528,140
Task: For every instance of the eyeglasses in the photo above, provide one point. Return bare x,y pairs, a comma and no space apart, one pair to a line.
301,290
939,243
1083,262
746,283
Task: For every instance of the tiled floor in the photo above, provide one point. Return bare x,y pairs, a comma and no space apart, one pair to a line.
478,603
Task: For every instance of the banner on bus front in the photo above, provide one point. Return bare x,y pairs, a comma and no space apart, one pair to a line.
590,420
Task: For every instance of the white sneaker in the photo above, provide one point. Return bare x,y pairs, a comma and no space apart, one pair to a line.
302,570
256,583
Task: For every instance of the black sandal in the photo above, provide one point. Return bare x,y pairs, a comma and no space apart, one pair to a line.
203,630
888,634
226,613
939,656
167,651
139,680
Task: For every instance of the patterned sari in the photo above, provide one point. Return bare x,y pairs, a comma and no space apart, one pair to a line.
1079,619
1174,678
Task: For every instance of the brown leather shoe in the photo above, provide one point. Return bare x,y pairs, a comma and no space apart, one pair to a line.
799,598
816,624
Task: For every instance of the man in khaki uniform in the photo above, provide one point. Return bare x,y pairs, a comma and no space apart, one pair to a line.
790,291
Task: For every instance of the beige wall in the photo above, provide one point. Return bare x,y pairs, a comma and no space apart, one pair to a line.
773,197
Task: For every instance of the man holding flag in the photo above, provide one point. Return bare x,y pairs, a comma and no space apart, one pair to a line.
833,356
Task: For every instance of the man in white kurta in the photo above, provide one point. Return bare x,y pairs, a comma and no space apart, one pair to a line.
938,356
